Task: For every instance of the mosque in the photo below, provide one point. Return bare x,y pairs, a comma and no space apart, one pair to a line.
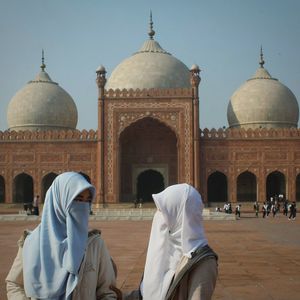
148,135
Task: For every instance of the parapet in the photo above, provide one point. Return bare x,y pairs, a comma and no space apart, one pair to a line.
258,133
48,135
148,93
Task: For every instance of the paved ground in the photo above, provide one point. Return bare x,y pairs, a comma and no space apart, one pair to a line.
258,258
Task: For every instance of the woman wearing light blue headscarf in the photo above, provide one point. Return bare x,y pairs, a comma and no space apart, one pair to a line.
59,255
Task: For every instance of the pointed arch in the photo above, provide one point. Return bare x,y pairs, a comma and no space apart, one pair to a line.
275,184
46,183
23,188
246,187
217,187
144,145
141,117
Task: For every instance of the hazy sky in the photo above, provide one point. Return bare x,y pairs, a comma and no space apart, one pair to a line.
222,36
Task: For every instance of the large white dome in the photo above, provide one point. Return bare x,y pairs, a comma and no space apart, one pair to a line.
150,67
41,105
263,102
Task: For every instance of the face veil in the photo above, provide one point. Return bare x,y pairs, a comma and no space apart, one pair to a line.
53,252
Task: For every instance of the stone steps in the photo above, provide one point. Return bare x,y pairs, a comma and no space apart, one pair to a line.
113,214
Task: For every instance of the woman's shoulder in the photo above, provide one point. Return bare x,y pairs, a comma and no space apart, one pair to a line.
94,232
94,238
23,237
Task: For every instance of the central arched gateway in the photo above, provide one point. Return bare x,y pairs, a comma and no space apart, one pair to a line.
147,144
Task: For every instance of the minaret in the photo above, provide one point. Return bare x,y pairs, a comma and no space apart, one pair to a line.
195,81
100,177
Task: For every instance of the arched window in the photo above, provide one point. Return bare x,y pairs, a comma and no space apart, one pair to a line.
217,187
46,183
246,187
275,184
23,188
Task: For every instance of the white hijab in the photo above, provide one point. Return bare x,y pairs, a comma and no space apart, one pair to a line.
53,252
177,231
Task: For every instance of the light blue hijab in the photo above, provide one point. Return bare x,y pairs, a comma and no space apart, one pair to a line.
53,252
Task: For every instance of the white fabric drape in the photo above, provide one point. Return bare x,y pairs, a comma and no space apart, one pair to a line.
177,230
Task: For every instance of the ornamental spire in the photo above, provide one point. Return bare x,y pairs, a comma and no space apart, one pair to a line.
151,32
262,62
43,66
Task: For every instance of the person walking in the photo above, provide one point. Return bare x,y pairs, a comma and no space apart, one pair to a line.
264,209
256,208
293,211
238,211
285,207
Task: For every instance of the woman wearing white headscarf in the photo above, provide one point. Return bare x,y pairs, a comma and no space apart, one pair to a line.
60,260
179,264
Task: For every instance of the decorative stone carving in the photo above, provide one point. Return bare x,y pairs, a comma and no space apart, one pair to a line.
240,133
23,158
121,114
246,156
80,157
217,155
276,155
48,135
50,157
148,93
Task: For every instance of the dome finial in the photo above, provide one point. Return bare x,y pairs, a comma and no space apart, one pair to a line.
262,62
151,32
43,66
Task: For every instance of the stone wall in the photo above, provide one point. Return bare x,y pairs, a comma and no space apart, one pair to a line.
39,153
259,151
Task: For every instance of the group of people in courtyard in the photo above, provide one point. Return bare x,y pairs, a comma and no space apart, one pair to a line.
62,259
32,208
227,208
274,205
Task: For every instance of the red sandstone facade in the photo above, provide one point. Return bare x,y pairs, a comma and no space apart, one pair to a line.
157,130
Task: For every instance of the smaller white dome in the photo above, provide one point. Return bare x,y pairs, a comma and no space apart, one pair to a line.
42,105
263,102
